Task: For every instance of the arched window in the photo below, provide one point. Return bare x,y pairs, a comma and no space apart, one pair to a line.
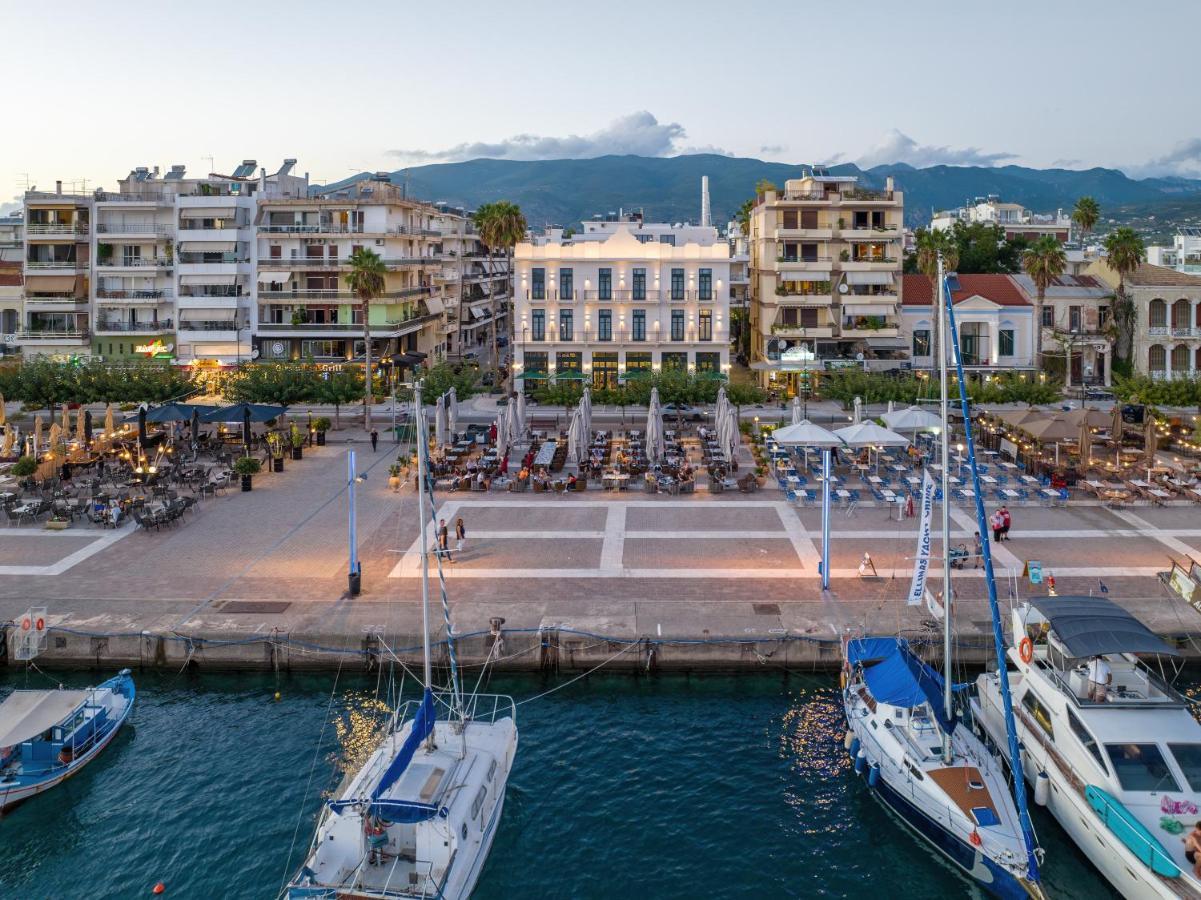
1182,311
1198,359
1156,358
1157,314
1180,357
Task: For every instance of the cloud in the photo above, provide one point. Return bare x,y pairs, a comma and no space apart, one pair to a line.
1069,163
897,147
773,149
1183,159
7,209
639,133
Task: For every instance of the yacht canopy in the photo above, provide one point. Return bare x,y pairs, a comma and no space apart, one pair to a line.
1093,626
26,714
896,676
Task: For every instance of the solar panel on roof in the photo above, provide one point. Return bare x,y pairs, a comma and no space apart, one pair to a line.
953,283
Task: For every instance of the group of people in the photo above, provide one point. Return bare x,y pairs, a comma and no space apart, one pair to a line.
444,548
1000,522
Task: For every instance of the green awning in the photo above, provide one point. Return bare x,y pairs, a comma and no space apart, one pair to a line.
531,376
639,374
712,376
571,376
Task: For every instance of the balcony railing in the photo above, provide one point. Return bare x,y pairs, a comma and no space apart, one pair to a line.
143,197
230,294
186,224
211,259
135,262
153,295
134,327
212,325
56,264
872,259
618,336
804,195
1157,330
804,259
330,228
53,334
135,228
80,230
57,299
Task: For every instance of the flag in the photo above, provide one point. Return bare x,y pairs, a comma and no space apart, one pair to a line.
921,564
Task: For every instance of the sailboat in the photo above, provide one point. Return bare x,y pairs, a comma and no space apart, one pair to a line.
418,819
911,737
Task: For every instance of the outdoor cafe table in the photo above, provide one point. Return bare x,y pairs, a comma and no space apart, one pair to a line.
1160,494
898,468
1011,493
616,480
988,479
843,494
913,480
875,479
968,492
1029,479
1007,465
794,481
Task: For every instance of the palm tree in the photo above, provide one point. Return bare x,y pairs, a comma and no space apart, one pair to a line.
1125,252
1043,262
930,243
366,281
501,225
1085,215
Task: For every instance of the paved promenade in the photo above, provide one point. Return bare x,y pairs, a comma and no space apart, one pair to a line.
627,565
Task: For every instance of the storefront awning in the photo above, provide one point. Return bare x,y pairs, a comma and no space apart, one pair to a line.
207,315
869,277
214,280
208,246
804,276
208,212
267,276
887,343
435,304
55,284
867,309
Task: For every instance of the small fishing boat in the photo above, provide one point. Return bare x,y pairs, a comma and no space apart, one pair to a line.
48,736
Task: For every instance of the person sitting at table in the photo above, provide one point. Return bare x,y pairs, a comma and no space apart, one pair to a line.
504,465
571,481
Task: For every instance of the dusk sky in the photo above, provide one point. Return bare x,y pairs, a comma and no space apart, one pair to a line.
358,86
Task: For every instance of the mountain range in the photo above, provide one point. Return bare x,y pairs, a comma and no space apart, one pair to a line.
566,191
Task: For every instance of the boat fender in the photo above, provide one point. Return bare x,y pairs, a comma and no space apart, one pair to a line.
842,680
1042,789
860,761
1026,649
159,888
854,747
873,775
65,756
847,739
974,837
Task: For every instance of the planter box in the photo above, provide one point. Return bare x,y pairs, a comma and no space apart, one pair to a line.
298,453
320,438
247,482
277,464
54,525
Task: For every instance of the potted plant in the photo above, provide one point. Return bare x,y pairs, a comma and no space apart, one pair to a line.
321,426
247,467
844,256
394,476
297,438
275,445
24,467
57,524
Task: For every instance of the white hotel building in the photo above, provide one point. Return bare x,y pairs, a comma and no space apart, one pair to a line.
621,296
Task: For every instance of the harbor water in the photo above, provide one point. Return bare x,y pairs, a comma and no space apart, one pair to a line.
659,787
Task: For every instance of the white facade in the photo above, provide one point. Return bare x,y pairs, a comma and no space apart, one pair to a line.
613,302
1014,218
1184,255
994,336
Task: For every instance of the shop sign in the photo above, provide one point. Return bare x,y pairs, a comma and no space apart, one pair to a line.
156,349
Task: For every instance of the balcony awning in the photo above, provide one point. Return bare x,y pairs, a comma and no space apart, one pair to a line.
208,212
887,343
214,280
869,277
867,309
207,315
208,246
56,284
435,304
803,276
267,276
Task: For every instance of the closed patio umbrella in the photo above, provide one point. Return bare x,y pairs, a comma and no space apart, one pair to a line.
502,439
87,427
586,406
1150,438
573,438
440,421
521,421
56,434
6,448
3,415
654,428
66,423
797,413
37,435
245,427
733,435
141,426
109,428
1117,426
858,413
1086,443
452,411
195,426
80,431
719,408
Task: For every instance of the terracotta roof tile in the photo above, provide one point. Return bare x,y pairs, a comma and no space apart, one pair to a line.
917,290
1159,275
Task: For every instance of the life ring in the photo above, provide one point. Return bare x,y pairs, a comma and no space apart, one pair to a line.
1026,649
25,624
41,624
974,837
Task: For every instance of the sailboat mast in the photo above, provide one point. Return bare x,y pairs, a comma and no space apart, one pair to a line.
422,454
945,442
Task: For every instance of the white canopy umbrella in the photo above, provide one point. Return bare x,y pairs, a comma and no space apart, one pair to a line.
722,402
806,434
586,407
733,436
912,418
452,411
512,426
869,434
858,410
654,428
573,437
502,438
440,422
521,424
796,413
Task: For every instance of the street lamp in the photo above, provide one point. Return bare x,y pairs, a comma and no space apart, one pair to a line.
355,578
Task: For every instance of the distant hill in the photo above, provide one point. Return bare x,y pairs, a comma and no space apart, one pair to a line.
565,191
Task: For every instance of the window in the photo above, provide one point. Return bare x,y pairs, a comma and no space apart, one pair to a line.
1083,735
1140,767
639,325
604,325
677,324
605,284
566,320
677,284
675,362
921,342
1188,758
669,239
706,325
705,284
1157,314
566,284
478,803
640,284
538,324
1005,342
277,252
1048,317
1103,317
1073,318
538,284
1039,712
708,362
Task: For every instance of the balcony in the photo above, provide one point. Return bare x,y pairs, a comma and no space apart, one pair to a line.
628,337
49,266
802,300
869,233
127,327
785,329
79,230
805,263
135,262
147,198
626,296
1184,331
868,264
890,330
304,263
134,229
48,336
324,228
824,233
134,296
53,303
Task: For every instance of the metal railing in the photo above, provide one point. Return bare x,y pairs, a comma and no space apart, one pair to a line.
37,300
142,327
55,264
656,336
212,259
211,325
330,228
804,259
198,224
40,334
135,262
126,228
56,229
108,294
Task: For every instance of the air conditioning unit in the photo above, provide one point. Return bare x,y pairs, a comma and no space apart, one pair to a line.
379,242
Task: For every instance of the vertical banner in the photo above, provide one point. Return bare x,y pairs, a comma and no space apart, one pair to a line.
921,563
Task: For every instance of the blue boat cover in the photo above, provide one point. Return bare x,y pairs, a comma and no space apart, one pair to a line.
895,675
402,810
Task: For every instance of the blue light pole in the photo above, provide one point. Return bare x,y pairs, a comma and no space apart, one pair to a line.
826,519
356,568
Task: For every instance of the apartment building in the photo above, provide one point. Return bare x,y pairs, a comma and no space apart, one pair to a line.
1076,325
1167,318
304,307
1184,255
12,284
57,263
825,266
12,238
995,321
621,296
474,285
1013,218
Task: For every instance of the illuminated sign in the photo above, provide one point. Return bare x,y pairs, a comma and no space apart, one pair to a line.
156,349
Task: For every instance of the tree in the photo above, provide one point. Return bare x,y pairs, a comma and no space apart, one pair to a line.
336,388
501,225
366,280
439,379
931,243
1043,262
283,383
1126,253
1085,215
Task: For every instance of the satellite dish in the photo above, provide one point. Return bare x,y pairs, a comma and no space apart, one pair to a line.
859,357
842,288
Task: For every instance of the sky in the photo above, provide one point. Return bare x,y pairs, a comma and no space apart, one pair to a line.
354,86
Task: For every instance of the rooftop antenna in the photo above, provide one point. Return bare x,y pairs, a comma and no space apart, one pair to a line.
706,218
211,164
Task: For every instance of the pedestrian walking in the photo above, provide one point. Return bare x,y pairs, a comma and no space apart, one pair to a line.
374,439
444,540
460,534
1005,520
997,524
979,552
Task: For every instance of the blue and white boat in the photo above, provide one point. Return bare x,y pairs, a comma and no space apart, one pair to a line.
913,740
48,736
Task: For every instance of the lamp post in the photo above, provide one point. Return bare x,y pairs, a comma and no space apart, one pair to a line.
355,578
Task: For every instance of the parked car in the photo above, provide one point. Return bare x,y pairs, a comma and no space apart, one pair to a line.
683,411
